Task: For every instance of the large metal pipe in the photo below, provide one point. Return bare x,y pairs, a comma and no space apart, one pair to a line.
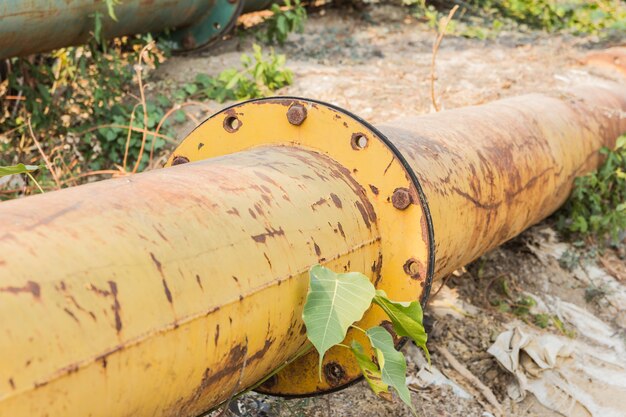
163,293
31,26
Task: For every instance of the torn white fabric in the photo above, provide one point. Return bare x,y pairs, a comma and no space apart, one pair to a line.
570,377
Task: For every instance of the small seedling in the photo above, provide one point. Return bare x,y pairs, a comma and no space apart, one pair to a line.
285,20
336,301
261,75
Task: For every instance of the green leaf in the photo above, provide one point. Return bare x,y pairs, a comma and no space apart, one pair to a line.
370,371
333,303
406,319
392,363
17,169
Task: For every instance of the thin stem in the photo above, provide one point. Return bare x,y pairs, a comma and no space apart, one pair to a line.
358,328
35,181
343,346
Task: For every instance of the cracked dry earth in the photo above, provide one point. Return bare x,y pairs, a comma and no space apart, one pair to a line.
381,71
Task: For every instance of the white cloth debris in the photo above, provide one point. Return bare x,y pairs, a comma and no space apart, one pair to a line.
573,378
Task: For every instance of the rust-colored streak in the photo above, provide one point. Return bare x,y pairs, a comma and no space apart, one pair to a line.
31,287
318,251
269,232
340,227
199,281
336,200
72,315
318,203
168,293
116,306
157,263
364,215
160,234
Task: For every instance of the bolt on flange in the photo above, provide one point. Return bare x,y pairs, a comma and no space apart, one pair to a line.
296,115
401,198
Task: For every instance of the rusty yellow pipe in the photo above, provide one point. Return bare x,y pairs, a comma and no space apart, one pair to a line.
164,293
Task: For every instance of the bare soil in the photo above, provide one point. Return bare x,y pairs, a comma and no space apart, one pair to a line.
377,64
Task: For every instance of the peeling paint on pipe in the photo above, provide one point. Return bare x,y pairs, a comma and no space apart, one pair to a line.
145,296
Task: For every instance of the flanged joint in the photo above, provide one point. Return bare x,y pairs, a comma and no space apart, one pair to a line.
401,198
296,114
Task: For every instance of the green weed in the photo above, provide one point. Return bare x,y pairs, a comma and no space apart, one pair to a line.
285,20
597,205
484,19
259,77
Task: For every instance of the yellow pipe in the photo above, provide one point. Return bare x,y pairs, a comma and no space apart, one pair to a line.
164,293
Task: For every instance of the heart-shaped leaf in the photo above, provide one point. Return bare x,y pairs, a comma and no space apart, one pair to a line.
406,319
370,371
17,169
334,302
392,363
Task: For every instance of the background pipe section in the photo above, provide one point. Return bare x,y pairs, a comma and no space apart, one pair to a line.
166,292
32,26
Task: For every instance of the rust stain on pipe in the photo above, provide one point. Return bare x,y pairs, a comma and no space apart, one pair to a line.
491,171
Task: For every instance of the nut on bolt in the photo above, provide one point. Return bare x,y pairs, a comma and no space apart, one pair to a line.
296,114
401,198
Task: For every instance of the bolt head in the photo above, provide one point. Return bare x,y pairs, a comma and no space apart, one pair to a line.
401,198
412,268
296,114
179,160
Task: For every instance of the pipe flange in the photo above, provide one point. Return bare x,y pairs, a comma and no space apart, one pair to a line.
217,22
405,264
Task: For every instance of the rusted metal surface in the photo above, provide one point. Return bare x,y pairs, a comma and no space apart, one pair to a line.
491,171
163,294
375,166
144,296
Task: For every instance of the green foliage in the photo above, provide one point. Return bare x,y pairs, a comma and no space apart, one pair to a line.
522,307
80,95
370,371
17,169
597,205
335,301
579,16
391,362
285,20
111,7
484,19
406,319
259,77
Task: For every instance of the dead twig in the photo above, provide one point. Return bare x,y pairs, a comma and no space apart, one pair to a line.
471,378
43,155
130,132
442,31
139,70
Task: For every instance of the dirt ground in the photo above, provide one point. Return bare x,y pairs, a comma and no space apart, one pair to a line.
377,63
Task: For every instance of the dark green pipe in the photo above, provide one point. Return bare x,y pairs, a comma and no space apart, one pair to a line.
32,26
